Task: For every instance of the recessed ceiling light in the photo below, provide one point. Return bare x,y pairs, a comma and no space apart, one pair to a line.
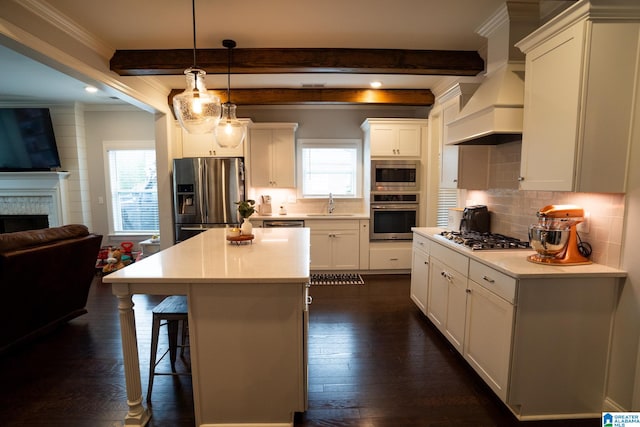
376,84
91,89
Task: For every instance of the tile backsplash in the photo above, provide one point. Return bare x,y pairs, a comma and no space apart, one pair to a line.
512,210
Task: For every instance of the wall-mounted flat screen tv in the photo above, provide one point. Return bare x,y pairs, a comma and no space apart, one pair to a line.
27,141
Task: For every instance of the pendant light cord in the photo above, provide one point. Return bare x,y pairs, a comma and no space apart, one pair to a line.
229,44
229,77
193,20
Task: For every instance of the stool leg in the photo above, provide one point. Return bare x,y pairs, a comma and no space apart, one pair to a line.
172,331
185,332
155,331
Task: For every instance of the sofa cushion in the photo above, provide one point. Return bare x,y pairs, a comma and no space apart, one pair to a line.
25,239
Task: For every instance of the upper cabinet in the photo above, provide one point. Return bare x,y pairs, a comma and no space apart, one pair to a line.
394,137
460,166
272,154
580,76
205,145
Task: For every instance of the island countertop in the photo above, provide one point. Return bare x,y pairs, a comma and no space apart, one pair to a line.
275,255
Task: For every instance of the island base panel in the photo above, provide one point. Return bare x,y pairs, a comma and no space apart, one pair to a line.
247,353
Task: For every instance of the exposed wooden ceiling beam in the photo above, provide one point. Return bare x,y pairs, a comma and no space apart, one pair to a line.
390,97
312,60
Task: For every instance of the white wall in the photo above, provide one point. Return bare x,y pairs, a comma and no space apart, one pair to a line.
624,375
110,126
328,121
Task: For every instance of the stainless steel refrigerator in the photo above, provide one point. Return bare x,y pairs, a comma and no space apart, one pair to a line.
205,193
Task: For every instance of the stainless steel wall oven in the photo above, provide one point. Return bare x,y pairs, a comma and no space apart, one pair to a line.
393,215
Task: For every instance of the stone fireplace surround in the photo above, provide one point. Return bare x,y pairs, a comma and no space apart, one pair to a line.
35,193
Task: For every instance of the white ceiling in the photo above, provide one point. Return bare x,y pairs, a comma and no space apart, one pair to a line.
166,24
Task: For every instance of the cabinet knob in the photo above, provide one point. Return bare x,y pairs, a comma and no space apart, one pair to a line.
521,178
455,180
468,291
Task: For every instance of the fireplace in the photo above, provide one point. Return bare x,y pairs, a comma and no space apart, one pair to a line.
35,194
12,223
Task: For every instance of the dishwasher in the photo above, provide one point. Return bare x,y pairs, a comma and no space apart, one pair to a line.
283,223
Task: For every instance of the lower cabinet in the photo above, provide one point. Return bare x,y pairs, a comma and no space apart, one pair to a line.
446,301
335,244
390,255
420,272
540,342
488,331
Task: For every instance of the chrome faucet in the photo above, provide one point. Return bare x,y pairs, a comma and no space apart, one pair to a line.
332,204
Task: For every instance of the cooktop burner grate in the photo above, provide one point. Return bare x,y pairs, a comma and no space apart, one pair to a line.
485,241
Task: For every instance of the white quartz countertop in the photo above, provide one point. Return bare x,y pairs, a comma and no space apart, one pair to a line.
514,263
278,255
309,216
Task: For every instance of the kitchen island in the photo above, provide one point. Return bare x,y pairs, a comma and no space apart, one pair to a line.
247,323
538,335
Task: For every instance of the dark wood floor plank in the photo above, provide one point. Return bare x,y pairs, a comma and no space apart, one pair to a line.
374,361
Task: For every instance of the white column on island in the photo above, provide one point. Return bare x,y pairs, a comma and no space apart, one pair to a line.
138,414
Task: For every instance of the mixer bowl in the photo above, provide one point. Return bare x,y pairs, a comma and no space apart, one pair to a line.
548,242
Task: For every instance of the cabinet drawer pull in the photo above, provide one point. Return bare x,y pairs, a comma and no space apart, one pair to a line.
393,259
488,279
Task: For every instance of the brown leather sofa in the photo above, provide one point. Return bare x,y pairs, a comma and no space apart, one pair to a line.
45,276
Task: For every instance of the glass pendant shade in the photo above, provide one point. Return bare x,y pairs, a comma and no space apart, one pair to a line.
197,110
230,131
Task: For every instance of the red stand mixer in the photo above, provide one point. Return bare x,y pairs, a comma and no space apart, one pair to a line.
555,237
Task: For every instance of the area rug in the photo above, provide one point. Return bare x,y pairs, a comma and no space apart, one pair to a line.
336,279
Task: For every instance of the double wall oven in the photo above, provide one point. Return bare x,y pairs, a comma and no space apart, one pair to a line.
394,201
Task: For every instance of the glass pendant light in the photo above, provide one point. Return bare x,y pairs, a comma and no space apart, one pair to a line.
197,110
230,132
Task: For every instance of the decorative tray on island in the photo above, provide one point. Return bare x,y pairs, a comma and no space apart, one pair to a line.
243,238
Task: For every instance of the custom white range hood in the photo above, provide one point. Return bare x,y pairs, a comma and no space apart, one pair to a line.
493,114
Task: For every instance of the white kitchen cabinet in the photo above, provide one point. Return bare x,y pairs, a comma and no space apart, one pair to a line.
420,272
446,300
489,325
272,155
539,342
204,145
364,244
335,244
461,166
580,71
394,137
390,255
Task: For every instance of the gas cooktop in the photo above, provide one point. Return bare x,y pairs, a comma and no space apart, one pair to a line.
484,241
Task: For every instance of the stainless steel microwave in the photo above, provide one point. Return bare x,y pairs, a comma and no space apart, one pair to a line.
395,175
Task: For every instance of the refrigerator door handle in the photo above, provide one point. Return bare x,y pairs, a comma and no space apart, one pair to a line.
204,190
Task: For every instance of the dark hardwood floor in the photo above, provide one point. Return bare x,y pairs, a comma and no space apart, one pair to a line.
374,361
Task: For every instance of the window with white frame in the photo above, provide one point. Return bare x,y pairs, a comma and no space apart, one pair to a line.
132,191
330,166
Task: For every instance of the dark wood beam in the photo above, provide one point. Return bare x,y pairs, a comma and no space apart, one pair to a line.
390,97
312,60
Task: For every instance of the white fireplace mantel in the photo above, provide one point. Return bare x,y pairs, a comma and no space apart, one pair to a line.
30,186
